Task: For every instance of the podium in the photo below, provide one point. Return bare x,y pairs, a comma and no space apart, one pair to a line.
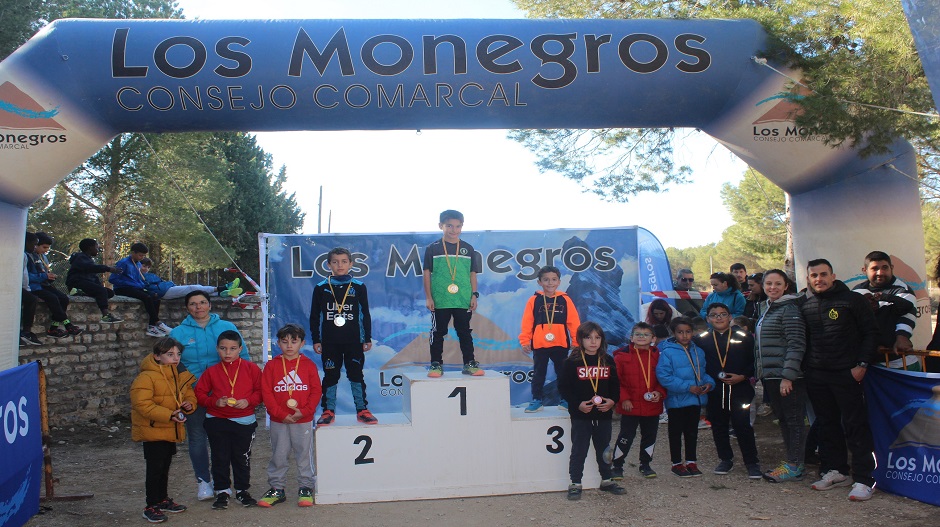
457,436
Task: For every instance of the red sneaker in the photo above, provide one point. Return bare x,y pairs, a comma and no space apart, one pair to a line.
326,418
366,417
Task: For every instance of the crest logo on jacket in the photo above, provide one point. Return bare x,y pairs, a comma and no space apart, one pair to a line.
833,314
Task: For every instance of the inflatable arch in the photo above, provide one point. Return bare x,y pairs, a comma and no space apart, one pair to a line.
77,83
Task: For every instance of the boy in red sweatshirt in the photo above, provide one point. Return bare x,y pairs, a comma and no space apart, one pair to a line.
230,391
641,399
290,388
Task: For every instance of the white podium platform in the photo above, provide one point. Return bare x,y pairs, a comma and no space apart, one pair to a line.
457,436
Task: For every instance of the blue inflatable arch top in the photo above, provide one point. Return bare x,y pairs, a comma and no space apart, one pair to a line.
79,82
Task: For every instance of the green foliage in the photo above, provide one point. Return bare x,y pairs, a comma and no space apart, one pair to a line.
759,232
18,22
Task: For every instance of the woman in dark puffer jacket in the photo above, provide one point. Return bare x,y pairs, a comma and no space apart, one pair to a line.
781,343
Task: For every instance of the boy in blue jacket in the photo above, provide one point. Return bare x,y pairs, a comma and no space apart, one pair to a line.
130,282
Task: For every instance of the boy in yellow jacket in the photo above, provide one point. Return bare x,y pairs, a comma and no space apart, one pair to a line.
161,396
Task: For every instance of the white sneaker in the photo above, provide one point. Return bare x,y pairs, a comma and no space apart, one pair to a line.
154,331
860,492
831,480
164,328
204,491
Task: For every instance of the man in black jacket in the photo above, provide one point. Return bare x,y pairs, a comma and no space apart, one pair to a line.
841,342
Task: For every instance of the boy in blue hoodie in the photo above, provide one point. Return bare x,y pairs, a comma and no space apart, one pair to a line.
130,282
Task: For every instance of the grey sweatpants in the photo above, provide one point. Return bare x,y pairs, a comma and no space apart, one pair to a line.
291,441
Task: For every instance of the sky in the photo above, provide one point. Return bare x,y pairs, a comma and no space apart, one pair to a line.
377,181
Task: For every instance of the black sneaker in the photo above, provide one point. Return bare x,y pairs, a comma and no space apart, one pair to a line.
57,332
647,471
611,487
272,497
326,418
724,466
574,491
245,499
74,330
221,501
30,338
616,473
168,505
754,471
154,515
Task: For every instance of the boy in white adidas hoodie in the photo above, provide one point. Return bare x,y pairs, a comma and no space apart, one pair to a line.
290,388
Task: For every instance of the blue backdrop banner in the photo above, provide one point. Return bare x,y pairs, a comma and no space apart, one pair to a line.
599,272
905,422
21,446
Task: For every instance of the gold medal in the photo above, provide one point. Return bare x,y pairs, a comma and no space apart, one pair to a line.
453,289
292,403
339,321
549,337
597,399
232,401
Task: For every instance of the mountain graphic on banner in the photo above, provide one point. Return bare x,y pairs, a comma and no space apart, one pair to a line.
924,428
484,333
19,111
10,507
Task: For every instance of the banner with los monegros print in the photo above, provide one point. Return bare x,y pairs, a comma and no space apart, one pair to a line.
905,420
21,471
599,268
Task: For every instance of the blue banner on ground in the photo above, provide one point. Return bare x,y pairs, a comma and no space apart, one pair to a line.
599,273
21,447
905,421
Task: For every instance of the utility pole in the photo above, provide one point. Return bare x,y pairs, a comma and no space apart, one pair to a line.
320,212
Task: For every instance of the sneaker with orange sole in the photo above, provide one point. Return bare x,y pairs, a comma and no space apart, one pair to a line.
365,416
326,418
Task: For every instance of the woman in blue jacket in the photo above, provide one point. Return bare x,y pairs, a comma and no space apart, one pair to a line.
725,290
681,370
199,333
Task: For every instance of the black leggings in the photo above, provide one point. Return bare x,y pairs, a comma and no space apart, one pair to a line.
683,424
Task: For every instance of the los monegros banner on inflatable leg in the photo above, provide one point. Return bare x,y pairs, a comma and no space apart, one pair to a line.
601,273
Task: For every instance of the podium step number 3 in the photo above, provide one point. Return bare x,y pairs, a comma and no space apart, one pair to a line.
457,436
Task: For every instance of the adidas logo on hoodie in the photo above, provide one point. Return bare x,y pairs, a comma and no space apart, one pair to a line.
291,382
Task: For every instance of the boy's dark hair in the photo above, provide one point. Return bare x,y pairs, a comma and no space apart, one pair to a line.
738,265
139,248
229,334
819,261
86,244
743,322
728,279
146,261
291,330
717,305
337,251
641,325
874,256
165,344
191,294
699,325
451,214
680,321
44,239
548,269
32,238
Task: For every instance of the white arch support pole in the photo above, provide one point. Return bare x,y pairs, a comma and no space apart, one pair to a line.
12,231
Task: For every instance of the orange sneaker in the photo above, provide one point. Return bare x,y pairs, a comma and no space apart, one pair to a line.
326,418
366,417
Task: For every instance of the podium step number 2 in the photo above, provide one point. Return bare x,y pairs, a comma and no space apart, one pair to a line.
457,436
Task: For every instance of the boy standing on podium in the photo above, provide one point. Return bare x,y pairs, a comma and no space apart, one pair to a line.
450,286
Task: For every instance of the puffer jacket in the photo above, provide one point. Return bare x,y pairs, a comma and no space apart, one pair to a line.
154,396
781,340
631,364
841,329
199,351
677,374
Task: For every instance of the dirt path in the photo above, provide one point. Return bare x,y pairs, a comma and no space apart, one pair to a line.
88,460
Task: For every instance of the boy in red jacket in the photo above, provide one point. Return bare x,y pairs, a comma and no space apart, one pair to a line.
641,399
230,391
290,388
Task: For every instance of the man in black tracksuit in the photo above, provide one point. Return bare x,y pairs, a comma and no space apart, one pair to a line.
841,342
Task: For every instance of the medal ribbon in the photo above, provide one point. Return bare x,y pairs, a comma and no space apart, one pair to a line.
232,381
722,360
594,382
452,271
648,370
550,315
176,390
339,308
290,389
696,367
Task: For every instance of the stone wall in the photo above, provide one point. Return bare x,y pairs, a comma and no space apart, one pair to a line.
89,376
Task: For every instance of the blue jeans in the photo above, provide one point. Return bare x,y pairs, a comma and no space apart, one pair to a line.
198,443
